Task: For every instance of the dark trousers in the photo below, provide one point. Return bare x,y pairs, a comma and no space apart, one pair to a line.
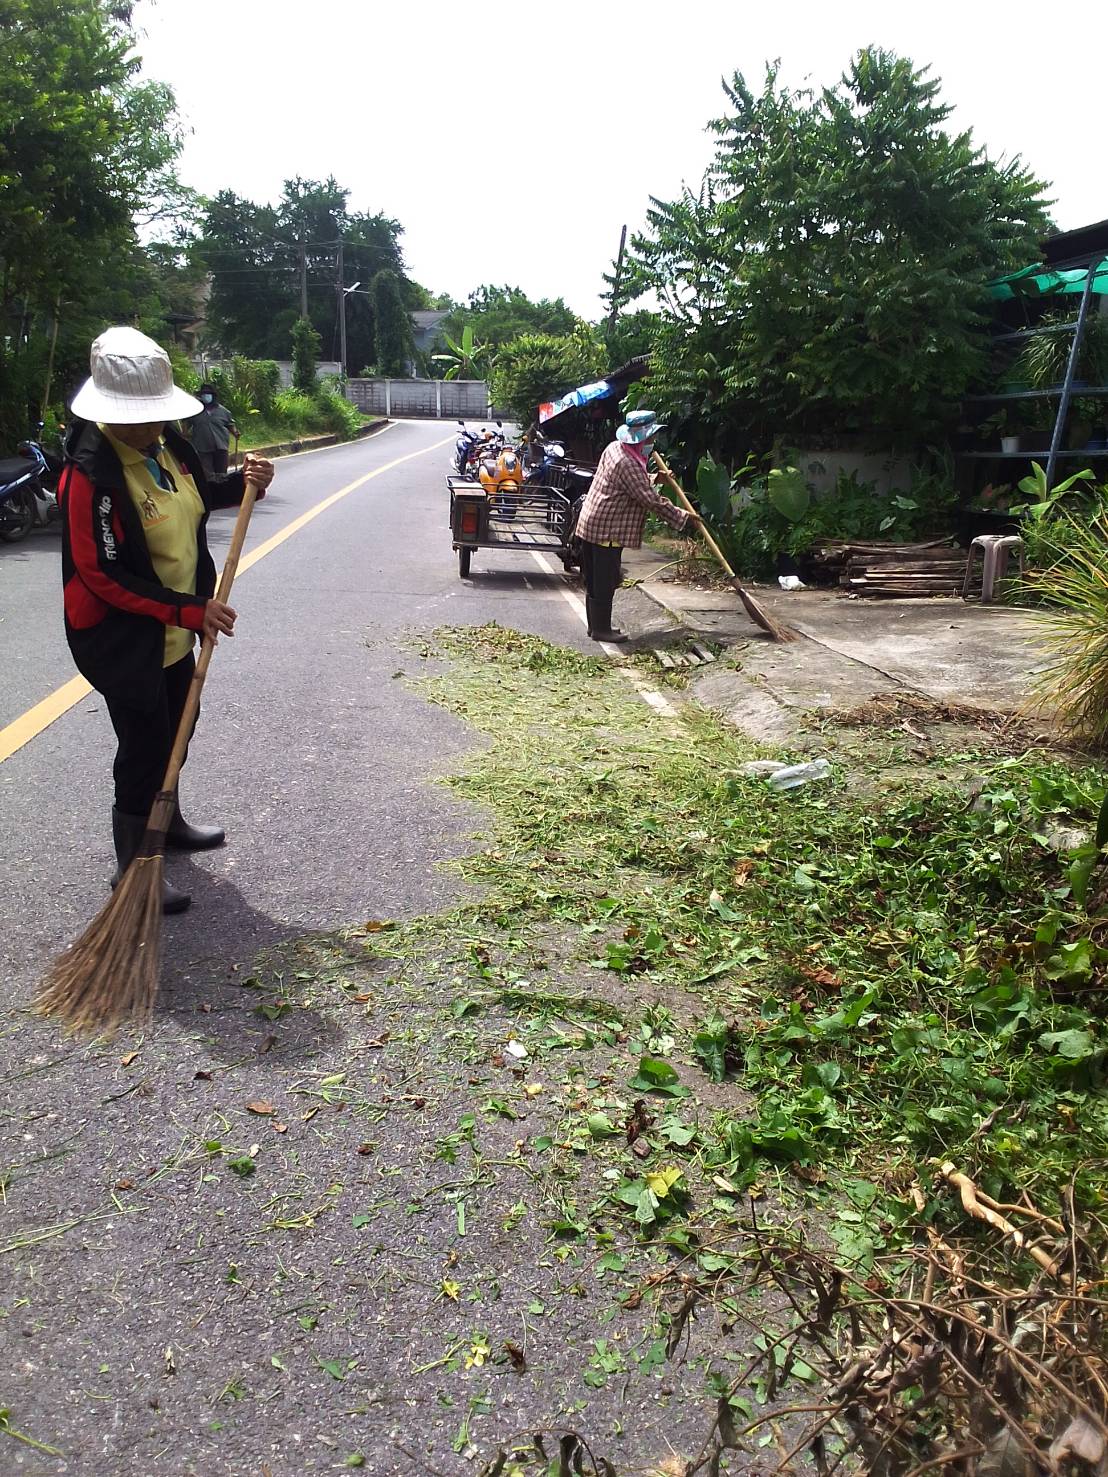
145,738
600,565
214,462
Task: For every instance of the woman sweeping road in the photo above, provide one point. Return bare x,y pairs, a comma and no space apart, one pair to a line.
139,580
613,515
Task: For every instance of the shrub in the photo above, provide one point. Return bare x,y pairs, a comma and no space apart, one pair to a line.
540,366
758,516
337,413
247,386
297,412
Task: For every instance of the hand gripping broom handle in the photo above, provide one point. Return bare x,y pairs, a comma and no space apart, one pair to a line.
162,813
668,476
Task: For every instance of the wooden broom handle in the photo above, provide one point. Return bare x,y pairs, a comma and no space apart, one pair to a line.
196,686
668,476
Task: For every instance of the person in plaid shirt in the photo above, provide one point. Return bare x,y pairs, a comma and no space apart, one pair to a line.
613,514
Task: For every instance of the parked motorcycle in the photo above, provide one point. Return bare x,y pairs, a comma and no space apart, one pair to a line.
549,465
501,475
27,490
472,446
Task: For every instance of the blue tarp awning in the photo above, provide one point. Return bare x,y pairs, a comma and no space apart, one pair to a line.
574,399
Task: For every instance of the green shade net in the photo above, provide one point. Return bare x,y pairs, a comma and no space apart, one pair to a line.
1039,281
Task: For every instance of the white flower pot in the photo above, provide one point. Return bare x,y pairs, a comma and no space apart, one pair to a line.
1009,443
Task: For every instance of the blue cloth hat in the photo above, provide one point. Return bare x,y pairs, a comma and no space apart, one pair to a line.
641,425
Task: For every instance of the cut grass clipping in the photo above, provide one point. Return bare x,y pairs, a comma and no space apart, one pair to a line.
913,997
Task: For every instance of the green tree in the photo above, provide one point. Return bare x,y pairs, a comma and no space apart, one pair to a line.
499,314
87,151
631,335
252,253
540,366
827,277
305,356
391,325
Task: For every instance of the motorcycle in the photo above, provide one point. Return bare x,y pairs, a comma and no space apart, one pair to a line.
501,475
548,464
27,495
472,446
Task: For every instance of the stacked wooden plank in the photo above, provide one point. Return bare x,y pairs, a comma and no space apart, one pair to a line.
889,569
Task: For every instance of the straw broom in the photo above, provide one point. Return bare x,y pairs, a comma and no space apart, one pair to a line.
111,973
760,617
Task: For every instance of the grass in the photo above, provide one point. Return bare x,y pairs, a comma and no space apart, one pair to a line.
897,987
856,991
1071,597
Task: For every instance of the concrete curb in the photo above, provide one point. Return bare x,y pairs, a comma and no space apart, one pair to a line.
315,443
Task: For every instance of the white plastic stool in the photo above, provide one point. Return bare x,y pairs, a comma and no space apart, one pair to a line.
994,561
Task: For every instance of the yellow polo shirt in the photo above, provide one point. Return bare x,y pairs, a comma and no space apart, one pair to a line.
170,518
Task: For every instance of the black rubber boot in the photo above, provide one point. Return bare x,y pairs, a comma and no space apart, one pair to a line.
127,833
600,624
590,614
184,837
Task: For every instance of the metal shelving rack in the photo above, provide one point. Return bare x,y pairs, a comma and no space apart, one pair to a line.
1064,393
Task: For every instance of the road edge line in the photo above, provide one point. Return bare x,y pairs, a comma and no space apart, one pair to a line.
20,731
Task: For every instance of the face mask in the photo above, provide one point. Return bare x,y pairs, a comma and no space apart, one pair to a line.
207,399
646,447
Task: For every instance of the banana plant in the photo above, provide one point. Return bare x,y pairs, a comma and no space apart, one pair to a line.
466,358
1042,500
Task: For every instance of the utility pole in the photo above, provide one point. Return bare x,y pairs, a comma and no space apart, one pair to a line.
50,360
342,313
616,280
303,280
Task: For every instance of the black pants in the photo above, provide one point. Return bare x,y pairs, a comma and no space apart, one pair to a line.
145,738
600,564
214,462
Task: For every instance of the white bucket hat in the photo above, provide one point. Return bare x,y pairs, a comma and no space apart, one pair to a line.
132,383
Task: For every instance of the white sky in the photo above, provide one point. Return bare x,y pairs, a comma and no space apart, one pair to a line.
512,140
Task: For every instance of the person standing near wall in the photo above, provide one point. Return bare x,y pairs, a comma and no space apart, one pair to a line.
613,515
210,432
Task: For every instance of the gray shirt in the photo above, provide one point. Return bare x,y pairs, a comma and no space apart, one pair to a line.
211,429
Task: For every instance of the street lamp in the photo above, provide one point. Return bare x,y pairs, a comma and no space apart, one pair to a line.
344,293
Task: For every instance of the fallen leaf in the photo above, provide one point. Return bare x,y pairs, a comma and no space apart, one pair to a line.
280,1128
267,1045
516,1355
366,1148
516,1049
202,1076
170,1360
450,1290
820,976
376,925
378,1041
641,1149
533,1089
263,1110
125,1184
125,1061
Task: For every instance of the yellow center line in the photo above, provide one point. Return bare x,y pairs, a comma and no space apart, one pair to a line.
31,723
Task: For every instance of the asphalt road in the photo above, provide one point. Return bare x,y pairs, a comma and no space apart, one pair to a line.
125,1320
309,750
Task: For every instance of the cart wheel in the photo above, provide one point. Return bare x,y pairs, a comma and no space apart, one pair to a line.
464,556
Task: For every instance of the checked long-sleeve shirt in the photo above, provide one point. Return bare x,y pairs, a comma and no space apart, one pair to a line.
621,495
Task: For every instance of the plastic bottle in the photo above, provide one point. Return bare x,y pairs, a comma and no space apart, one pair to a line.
800,774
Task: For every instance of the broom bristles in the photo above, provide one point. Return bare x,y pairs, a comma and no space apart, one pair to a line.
761,617
110,974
